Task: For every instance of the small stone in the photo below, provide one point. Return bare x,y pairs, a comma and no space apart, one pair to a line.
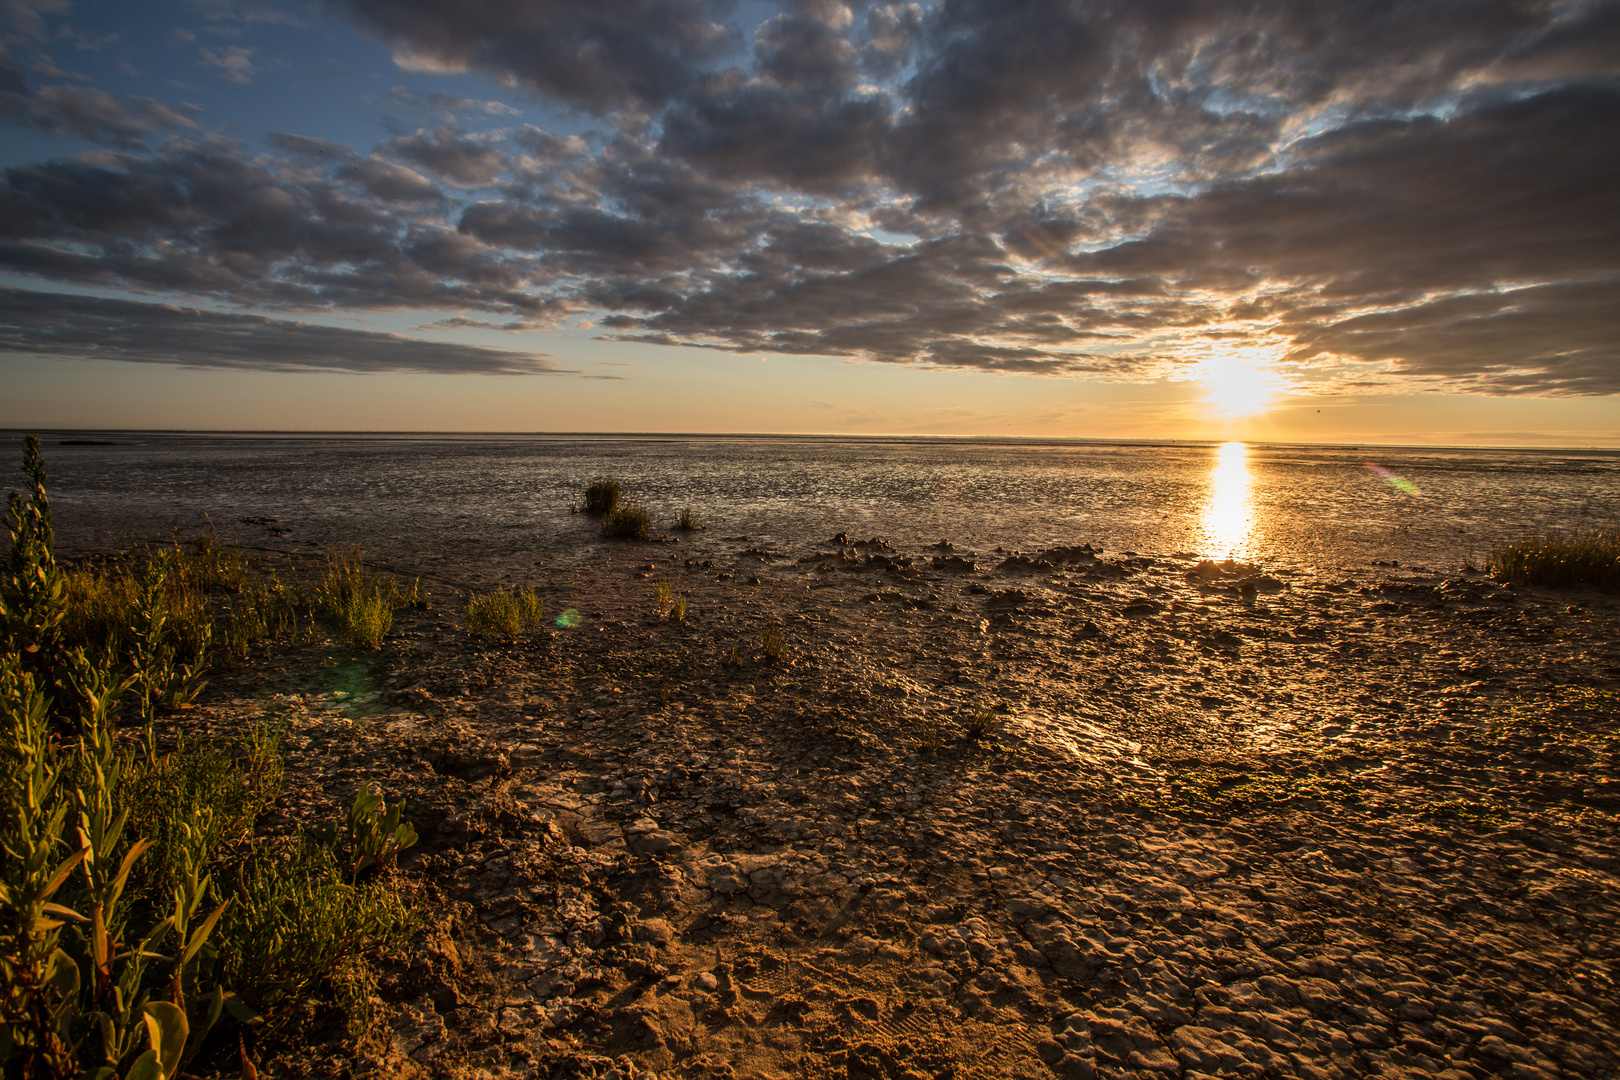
707,982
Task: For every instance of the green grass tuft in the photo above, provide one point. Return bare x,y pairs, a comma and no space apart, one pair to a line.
601,496
1573,559
627,521
504,613
358,602
687,520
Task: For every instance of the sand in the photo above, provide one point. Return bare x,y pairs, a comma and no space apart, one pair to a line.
1212,822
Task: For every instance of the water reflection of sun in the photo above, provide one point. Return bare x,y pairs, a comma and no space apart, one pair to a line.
1229,510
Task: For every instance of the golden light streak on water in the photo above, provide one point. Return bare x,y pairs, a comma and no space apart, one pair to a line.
1229,511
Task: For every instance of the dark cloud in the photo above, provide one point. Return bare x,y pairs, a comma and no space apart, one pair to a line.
591,54
200,219
79,112
52,324
454,157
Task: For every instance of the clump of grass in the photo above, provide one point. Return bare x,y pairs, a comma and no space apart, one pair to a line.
1589,559
627,521
601,496
985,725
357,601
930,735
774,645
214,605
687,520
668,604
504,613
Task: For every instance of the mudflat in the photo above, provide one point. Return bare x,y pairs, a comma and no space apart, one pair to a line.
951,812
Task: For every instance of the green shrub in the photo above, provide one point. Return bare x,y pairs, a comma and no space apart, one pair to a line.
504,613
1574,559
601,496
127,937
215,606
627,521
299,922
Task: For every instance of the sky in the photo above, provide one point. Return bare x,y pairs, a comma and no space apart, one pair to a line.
1291,220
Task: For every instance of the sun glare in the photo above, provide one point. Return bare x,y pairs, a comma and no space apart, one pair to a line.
1239,380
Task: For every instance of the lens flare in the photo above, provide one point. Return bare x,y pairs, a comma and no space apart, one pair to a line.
1404,486
568,619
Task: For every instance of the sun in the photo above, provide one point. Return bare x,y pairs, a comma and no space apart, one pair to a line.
1239,380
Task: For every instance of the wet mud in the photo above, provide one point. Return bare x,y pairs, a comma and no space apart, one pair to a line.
955,812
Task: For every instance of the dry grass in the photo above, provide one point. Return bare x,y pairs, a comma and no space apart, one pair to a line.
601,496
504,613
627,521
1589,559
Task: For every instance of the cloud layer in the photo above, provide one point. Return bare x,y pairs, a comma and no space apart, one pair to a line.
1376,195
51,324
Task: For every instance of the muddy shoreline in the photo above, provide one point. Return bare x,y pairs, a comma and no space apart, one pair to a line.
1211,821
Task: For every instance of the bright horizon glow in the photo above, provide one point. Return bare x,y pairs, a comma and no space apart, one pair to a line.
1229,512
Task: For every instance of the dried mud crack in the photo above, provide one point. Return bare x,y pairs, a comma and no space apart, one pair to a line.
1212,821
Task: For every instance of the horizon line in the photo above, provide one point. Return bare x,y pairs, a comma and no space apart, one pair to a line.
1144,440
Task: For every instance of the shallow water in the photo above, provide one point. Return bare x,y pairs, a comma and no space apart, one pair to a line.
1288,505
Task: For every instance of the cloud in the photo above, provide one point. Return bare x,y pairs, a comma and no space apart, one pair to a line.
638,53
74,112
453,156
24,20
53,324
233,62
446,108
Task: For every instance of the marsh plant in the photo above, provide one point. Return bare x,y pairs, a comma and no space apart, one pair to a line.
930,734
138,911
601,496
1573,559
773,644
985,725
215,606
669,604
687,520
359,602
504,613
627,521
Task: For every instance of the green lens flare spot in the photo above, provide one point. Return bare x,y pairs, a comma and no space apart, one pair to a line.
568,619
